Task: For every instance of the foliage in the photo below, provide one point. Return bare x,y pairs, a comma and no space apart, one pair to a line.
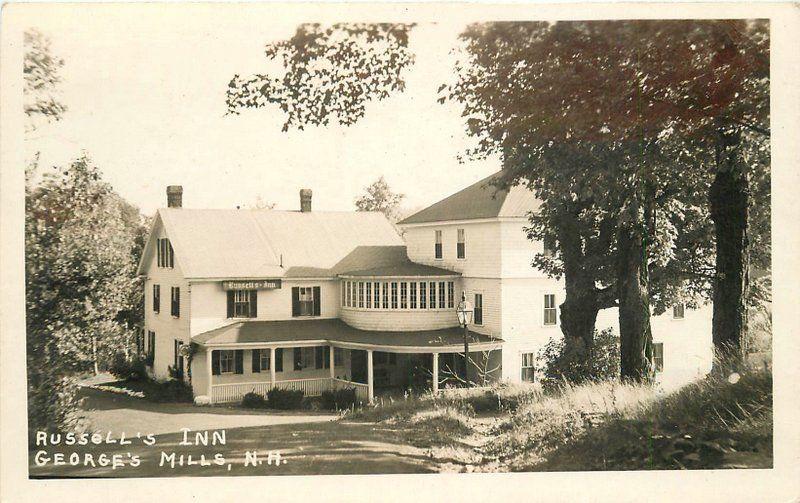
169,391
415,375
379,197
327,74
284,399
128,368
53,403
339,399
558,362
82,242
253,400
41,69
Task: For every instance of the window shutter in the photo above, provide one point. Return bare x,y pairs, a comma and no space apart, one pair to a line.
295,301
239,358
230,303
278,360
317,301
256,360
298,359
319,356
254,303
215,363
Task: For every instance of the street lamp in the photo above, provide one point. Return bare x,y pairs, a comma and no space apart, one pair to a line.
464,312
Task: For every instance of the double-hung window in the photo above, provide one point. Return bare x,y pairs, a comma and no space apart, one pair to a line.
678,311
549,315
226,361
450,294
548,246
403,295
175,309
376,295
241,303
432,289
156,298
368,295
477,313
658,356
165,255
306,299
527,373
422,300
360,294
412,295
385,291
437,247
263,359
394,295
461,245
441,295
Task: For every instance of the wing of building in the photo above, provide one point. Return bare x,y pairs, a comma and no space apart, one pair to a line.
243,300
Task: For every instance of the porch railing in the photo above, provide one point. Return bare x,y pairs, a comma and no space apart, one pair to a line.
232,392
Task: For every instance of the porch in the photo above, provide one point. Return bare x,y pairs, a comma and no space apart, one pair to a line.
314,356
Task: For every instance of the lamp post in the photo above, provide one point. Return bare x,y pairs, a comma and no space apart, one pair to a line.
464,312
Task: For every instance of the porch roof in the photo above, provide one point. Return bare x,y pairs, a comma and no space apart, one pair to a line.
338,333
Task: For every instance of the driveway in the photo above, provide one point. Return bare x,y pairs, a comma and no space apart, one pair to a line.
308,443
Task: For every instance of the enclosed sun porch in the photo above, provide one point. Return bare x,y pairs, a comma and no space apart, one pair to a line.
327,354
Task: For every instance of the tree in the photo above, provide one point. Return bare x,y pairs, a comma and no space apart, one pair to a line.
327,74
379,197
41,71
82,245
635,88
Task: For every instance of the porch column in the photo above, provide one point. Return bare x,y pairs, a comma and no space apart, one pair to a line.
435,371
209,366
272,365
331,361
370,393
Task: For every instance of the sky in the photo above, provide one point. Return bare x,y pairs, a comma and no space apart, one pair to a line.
146,101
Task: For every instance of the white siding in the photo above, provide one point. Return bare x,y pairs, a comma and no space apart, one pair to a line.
482,248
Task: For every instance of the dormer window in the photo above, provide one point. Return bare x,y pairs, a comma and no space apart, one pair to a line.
165,253
461,246
437,247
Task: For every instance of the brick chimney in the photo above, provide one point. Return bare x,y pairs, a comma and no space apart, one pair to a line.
305,200
174,196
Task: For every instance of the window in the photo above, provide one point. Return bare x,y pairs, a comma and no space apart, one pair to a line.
322,357
394,295
306,299
344,293
361,294
450,295
678,311
437,247
422,295
175,309
165,254
241,303
156,298
226,361
347,294
441,295
385,290
432,289
376,294
461,245
527,366
658,356
412,295
549,309
548,246
338,357
304,358
263,359
477,314
151,346
368,295
403,295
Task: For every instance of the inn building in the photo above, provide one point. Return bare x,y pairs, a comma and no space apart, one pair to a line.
245,300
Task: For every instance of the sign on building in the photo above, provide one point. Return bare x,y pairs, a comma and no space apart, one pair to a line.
261,284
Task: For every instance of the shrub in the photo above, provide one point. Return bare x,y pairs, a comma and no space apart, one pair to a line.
128,368
284,399
170,391
339,399
559,362
253,400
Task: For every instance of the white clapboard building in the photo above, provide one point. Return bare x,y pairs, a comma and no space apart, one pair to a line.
246,300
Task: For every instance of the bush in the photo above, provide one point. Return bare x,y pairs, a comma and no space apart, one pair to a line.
284,399
253,400
559,362
132,369
170,391
339,399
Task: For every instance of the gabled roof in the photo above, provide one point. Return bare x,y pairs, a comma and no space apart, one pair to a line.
479,200
337,331
216,244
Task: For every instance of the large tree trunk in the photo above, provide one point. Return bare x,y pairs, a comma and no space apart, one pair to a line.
728,199
633,284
